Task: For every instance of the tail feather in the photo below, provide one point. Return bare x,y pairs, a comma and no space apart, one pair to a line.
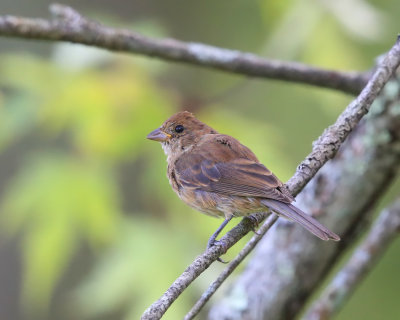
291,212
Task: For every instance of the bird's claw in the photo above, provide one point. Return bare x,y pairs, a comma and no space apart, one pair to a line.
222,261
212,242
255,223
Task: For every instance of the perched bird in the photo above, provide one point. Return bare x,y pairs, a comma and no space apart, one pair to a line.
217,175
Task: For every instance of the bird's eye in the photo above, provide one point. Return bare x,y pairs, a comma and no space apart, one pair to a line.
179,128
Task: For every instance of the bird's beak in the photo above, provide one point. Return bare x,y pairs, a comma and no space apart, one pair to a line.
158,135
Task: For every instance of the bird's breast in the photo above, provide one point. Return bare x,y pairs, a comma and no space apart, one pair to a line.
220,205
172,179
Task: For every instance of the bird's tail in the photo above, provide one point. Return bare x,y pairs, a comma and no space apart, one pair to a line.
291,212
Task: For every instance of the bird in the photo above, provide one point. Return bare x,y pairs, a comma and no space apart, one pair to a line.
217,175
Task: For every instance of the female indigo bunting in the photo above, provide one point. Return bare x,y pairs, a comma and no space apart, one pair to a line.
217,175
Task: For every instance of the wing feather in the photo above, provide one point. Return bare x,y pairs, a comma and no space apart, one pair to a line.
232,169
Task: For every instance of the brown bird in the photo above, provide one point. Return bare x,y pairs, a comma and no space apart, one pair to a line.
217,175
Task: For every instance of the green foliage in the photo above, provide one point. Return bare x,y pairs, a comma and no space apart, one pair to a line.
60,199
57,201
121,268
103,112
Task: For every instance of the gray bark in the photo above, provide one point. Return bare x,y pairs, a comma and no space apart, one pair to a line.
381,235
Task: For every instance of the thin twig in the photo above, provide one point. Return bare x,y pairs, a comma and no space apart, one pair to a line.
324,149
384,230
231,267
69,25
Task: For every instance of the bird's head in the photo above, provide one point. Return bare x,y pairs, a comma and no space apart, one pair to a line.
180,133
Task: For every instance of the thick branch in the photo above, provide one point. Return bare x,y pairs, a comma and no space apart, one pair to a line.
384,230
323,150
69,25
289,264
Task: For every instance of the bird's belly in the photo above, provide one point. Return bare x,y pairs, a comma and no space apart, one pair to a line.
220,205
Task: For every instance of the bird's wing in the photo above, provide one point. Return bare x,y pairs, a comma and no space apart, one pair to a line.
222,165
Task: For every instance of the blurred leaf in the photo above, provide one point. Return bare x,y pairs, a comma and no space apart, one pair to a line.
107,115
18,98
273,11
145,256
105,111
292,23
57,200
369,23
339,51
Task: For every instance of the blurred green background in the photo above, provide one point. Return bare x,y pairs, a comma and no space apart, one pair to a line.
89,227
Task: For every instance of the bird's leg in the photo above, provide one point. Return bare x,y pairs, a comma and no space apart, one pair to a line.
212,241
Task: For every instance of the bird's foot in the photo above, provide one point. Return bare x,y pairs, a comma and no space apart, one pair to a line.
212,242
255,224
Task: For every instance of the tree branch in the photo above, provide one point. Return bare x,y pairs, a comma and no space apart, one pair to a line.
329,142
200,264
323,149
289,264
384,230
69,25
231,267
